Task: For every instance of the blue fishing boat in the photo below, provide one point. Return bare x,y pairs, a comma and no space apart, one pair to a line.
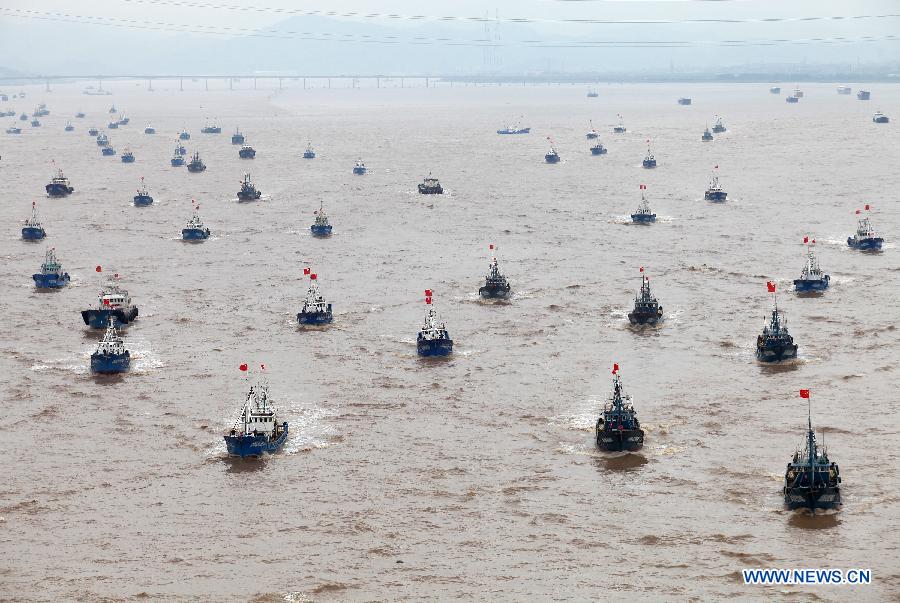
149,130
142,198
433,339
593,94
719,126
647,310
430,186
684,101
185,135
863,95
59,186
775,90
775,344
811,480
811,278
649,160
107,151
69,127
309,153
177,159
13,130
798,93
321,227
102,140
33,229
41,111
180,149
865,239
551,156
643,214
844,90
79,115
618,428
123,121
714,191
315,311
113,109
496,286
707,135
514,129
195,230
792,99
51,275
880,118
237,137
113,301
598,149
35,123
127,156
592,133
360,168
111,357
619,129
94,132
113,125
23,117
257,431
211,129
248,190
247,152
196,165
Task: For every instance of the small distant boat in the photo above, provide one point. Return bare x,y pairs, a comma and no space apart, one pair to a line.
719,126
196,165
684,101
321,227
496,286
309,153
619,129
792,99
23,117
108,151
863,95
811,479
618,428
51,275
598,149
127,156
113,125
707,135
111,355
643,214
247,152
865,239
79,115
880,118
194,230
592,133
149,130
33,229
844,90
775,90
593,94
798,92
360,168
69,127
248,190
35,123
715,192
316,311
185,135
257,431
13,130
59,186
775,344
811,278
93,132
649,160
237,137
112,301
211,129
430,186
514,129
142,198
433,338
113,109
123,121
551,156
41,111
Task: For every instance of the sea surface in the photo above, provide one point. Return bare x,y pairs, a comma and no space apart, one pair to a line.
474,477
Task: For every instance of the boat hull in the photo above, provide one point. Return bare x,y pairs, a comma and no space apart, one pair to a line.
643,218
521,131
237,140
142,200
108,151
246,154
110,363
255,445
316,318
644,318
706,138
177,162
99,319
495,291
649,165
50,281
802,498
625,440
249,196
873,244
196,169
194,234
598,151
309,155
30,233
802,285
359,171
776,353
881,120
717,196
434,347
320,231
127,158
58,190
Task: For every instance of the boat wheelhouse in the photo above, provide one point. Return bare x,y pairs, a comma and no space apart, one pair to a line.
51,275
80,115
33,229
618,428
59,186
315,311
643,214
433,338
798,93
257,431
123,121
248,190
321,227
113,301
111,356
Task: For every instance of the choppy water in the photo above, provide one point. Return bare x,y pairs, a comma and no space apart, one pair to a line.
476,477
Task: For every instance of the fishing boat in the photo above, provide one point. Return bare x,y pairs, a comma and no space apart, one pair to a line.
35,123
93,132
792,99
315,311
552,156
775,90
593,94
433,339
69,127
41,111
865,239
211,129
247,152
647,310
715,192
321,227
619,129
102,140
111,357
618,428
719,126
123,121
177,159
309,153
863,95
127,156
107,151
51,275
142,198
811,480
496,286
149,130
185,135
430,186
196,165
880,118
798,93
707,135
113,109
649,160
775,343
684,101
598,149
592,133
33,229
79,115
237,137
844,90
13,130
194,230
113,301
257,431
23,117
360,168
59,186
643,214
514,129
248,190
113,125
811,278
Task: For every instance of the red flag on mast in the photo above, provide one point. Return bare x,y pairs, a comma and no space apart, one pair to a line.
806,239
243,367
857,212
428,301
305,271
615,368
427,292
771,286
867,207
312,276
642,268
804,393
98,269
